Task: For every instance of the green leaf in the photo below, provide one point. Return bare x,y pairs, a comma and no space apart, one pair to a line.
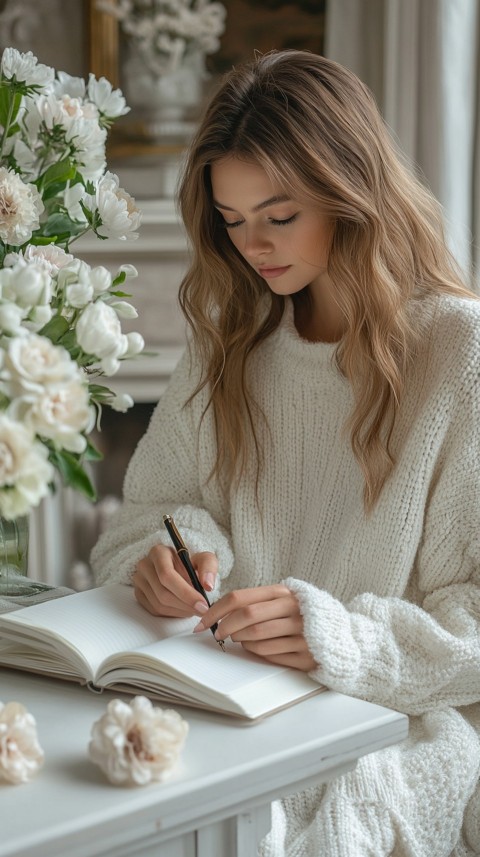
92,453
9,101
100,392
55,328
60,171
60,226
72,472
119,279
40,240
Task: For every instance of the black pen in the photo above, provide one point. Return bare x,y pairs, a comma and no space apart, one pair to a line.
183,554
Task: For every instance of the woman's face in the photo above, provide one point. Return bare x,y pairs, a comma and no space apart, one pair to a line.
285,241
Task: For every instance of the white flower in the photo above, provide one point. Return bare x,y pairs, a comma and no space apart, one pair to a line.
21,755
60,412
20,208
121,403
99,331
48,257
124,309
119,214
32,362
100,279
136,744
26,284
25,473
25,68
53,189
11,317
110,102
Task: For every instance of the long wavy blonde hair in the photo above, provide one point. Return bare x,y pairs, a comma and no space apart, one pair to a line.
314,127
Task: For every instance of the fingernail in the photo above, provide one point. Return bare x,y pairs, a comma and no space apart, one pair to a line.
198,628
200,607
209,581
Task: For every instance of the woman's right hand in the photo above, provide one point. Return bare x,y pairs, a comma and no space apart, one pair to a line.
162,585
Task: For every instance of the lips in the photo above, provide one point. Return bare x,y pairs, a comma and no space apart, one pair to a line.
271,273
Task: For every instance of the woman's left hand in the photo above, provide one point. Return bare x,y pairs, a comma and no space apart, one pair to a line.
266,620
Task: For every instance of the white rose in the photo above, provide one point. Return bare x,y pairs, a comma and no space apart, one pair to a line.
25,68
20,208
118,212
21,755
135,743
60,412
99,332
25,473
32,361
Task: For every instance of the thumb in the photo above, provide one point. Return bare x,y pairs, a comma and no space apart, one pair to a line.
206,566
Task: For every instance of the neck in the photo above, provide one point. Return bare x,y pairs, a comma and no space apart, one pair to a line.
318,318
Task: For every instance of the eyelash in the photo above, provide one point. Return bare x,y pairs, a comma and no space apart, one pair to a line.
272,221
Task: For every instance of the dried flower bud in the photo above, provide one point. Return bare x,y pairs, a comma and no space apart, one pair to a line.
136,744
20,753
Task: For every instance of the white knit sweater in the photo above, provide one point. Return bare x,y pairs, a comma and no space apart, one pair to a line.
390,601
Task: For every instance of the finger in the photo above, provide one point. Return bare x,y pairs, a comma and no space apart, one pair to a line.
170,581
288,627
241,598
149,602
254,616
206,566
277,646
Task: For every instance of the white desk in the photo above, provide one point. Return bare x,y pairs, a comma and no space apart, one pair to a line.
217,803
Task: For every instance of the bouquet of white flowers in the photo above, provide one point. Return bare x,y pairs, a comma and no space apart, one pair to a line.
60,327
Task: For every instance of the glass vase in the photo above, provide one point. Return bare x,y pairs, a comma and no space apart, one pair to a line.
14,559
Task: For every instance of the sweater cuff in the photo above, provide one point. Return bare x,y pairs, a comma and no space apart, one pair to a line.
329,637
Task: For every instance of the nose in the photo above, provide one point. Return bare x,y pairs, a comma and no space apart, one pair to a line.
256,243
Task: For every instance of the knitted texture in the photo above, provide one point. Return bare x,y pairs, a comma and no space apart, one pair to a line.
390,600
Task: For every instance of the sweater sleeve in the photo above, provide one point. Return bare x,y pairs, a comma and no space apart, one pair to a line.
163,478
423,653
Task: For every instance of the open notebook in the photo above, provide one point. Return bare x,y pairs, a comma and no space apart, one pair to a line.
105,639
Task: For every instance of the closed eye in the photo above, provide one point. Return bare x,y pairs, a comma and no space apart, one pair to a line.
283,222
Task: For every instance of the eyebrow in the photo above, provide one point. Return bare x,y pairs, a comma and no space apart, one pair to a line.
271,201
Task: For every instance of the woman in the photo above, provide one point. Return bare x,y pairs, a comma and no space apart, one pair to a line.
318,446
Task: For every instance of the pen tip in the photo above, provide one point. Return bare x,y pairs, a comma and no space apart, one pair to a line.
222,645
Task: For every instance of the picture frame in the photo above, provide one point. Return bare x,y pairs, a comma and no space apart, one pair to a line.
250,26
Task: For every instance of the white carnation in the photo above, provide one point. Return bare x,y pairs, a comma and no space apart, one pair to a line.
20,208
136,744
21,755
